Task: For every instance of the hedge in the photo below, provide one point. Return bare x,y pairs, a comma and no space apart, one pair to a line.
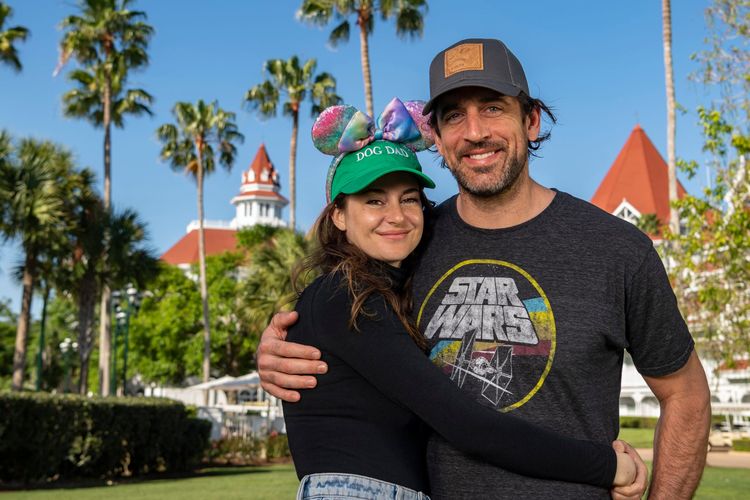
248,450
638,422
45,436
741,444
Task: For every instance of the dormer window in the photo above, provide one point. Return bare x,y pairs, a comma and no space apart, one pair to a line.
627,212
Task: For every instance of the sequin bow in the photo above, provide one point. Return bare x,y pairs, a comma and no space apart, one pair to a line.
343,129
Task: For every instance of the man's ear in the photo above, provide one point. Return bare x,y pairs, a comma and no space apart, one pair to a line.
534,123
339,219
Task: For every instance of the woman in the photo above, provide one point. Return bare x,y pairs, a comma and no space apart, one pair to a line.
361,432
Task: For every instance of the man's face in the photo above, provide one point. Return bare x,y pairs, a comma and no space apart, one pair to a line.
483,138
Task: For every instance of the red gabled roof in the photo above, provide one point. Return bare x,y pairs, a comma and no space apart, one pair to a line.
261,164
185,251
638,175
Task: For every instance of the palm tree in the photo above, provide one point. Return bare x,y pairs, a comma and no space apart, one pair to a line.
666,11
268,285
108,40
409,15
295,82
34,184
189,145
8,37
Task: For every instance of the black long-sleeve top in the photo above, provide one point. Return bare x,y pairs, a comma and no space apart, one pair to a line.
367,412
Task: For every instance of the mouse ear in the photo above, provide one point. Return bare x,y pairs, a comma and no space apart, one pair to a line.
341,129
426,138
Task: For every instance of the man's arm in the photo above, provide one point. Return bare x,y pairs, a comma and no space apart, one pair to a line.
285,365
681,438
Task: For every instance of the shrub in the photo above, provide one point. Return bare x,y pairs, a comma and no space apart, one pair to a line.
244,451
277,446
741,444
46,436
638,422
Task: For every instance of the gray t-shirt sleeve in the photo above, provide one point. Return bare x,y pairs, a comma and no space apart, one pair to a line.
658,338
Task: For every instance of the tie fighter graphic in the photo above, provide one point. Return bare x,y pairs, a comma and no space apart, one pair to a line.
495,374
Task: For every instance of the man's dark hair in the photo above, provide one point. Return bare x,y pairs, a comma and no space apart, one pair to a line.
528,104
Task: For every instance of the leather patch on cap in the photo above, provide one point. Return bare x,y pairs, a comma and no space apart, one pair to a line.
464,57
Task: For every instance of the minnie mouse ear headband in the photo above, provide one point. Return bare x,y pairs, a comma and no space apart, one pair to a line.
365,150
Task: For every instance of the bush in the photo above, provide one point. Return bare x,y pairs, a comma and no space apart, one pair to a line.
246,451
46,436
741,444
277,446
638,422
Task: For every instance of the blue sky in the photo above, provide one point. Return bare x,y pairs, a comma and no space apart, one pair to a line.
599,64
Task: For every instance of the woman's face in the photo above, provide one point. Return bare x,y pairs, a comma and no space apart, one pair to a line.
385,220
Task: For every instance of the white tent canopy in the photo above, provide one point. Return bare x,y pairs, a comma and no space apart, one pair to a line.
250,380
212,384
229,383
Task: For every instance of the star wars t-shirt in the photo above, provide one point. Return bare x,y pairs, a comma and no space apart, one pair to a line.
533,320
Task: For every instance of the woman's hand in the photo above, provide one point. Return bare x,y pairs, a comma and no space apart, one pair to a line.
631,478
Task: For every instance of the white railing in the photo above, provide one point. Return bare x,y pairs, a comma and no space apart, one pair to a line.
209,224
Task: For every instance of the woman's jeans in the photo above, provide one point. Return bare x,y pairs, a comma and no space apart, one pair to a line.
336,486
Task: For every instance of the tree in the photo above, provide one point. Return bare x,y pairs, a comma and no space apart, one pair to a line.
709,258
666,11
268,285
166,333
167,325
128,261
8,323
649,224
189,145
409,15
35,181
9,37
295,82
109,41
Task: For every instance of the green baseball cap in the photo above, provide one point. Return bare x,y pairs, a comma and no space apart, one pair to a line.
355,171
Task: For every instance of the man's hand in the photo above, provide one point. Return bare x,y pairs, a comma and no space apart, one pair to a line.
637,488
681,437
285,365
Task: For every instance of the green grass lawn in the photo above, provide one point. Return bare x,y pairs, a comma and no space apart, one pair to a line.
280,482
725,484
261,483
638,438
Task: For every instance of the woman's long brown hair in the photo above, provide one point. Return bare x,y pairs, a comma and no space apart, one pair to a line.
333,253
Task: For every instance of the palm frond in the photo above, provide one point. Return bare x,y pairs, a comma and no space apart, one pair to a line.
339,34
263,98
317,12
9,37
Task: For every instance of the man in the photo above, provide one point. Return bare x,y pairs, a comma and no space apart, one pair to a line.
528,296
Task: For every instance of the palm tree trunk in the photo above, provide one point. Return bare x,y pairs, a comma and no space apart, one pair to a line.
105,331
364,49
293,168
24,320
666,10
202,273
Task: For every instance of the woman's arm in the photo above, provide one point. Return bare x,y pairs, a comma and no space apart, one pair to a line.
384,354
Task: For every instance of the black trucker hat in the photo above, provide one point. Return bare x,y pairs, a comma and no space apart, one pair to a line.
476,62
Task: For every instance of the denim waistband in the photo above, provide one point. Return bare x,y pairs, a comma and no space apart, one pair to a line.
353,486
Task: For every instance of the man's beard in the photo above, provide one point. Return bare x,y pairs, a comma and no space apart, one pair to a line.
507,177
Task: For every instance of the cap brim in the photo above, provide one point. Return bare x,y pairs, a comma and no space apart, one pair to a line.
367,178
503,88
